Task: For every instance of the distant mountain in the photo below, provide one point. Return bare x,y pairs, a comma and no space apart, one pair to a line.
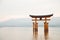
55,22
26,22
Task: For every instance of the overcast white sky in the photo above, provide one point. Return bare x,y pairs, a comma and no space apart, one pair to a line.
22,8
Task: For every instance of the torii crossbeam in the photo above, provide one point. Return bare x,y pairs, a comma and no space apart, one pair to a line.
43,18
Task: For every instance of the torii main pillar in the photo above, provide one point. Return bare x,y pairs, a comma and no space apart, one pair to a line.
38,18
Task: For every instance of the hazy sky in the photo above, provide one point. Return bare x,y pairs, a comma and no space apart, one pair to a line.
22,8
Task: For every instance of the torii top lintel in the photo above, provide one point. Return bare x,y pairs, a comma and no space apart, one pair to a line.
41,16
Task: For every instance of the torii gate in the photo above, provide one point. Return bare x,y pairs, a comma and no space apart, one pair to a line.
35,23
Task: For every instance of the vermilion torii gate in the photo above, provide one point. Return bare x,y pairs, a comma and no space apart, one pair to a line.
43,18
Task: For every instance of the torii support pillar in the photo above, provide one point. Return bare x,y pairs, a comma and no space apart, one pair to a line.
35,23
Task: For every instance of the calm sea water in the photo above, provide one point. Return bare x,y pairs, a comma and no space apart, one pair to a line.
26,33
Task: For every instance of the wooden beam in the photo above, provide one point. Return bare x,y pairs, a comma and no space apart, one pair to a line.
41,20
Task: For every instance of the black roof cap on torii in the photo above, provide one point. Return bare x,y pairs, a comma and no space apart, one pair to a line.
38,16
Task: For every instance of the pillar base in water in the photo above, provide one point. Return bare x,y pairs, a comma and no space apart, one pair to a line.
45,27
35,27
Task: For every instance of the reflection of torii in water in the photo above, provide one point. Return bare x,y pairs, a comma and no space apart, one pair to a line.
35,35
35,24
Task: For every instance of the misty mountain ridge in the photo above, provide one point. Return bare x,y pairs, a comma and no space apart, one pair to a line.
26,22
